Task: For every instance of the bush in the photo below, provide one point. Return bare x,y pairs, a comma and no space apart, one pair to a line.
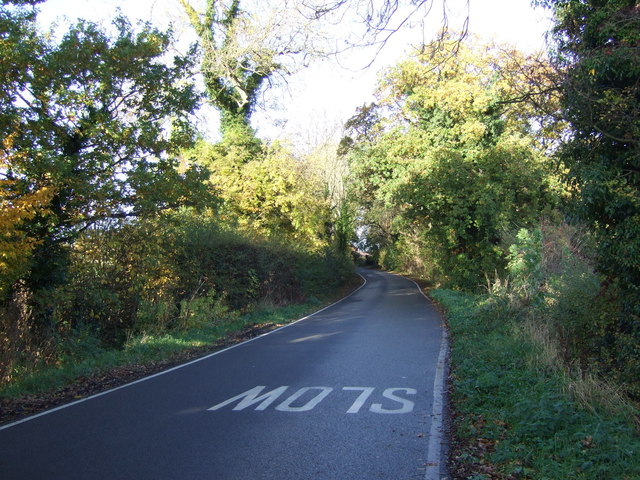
175,272
525,263
552,283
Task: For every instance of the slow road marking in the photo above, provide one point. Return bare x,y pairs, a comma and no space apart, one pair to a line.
305,399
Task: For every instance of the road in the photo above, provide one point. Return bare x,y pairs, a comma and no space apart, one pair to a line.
347,393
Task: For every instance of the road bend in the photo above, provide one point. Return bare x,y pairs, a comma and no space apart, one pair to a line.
347,393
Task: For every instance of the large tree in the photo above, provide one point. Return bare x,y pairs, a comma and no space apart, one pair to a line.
242,51
597,46
246,46
96,122
448,160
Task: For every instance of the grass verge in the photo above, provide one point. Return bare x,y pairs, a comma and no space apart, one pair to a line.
100,369
516,418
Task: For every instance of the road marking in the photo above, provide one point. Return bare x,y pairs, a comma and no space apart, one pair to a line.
250,397
310,405
436,433
255,396
363,397
407,405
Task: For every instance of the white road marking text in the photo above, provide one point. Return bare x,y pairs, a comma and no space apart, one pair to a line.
307,398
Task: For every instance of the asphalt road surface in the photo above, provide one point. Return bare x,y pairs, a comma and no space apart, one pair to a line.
347,393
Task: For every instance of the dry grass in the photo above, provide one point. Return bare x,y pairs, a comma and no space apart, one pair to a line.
19,345
592,392
599,395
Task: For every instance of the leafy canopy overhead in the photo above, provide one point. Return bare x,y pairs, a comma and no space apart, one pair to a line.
448,160
247,46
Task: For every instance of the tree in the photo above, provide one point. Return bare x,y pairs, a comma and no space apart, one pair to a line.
377,22
454,163
596,46
273,194
96,122
16,247
332,170
242,51
246,46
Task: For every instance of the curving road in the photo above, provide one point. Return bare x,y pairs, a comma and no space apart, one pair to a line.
347,393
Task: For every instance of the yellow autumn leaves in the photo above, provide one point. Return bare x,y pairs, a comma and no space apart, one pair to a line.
16,207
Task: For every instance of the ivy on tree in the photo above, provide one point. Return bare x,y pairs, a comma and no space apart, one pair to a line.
234,66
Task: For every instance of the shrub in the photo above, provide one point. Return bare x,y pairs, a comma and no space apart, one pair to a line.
525,263
178,271
552,283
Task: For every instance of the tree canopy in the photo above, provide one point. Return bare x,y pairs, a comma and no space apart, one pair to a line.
446,161
92,127
597,45
245,46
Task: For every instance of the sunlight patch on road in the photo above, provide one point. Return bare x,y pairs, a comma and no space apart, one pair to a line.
312,338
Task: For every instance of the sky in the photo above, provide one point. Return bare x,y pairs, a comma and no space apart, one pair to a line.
318,100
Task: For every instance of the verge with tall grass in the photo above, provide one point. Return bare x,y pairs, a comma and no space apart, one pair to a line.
538,391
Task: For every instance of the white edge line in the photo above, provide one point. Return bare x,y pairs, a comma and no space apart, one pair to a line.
140,380
434,449
434,454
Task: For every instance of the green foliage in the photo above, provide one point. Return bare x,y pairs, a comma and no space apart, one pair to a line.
94,128
552,282
237,58
204,257
513,417
96,121
463,204
267,191
573,311
525,262
452,165
158,274
596,45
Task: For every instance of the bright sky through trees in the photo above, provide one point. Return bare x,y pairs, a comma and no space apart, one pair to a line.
321,98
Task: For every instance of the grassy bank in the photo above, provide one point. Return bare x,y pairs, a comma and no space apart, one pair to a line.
140,292
516,416
162,349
